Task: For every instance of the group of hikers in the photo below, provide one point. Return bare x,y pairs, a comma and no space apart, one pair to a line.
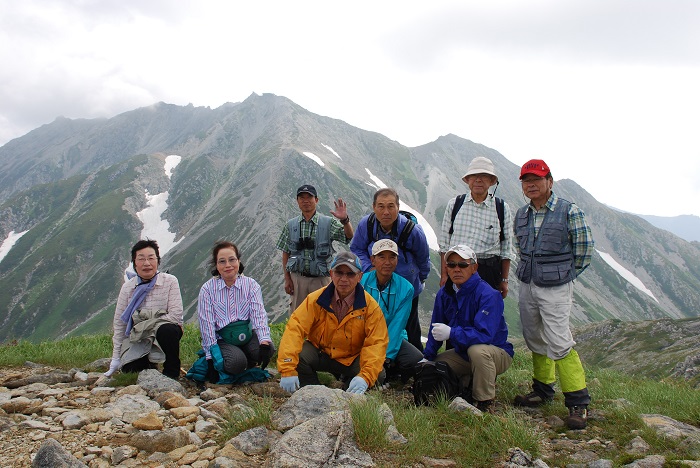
354,312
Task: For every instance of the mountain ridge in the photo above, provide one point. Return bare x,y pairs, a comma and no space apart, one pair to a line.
241,164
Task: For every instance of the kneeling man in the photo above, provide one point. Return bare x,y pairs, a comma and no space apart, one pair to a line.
338,329
469,313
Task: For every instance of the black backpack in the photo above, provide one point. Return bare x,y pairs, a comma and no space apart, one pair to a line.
460,201
405,232
434,380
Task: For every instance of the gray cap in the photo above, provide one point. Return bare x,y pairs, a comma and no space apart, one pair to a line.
348,259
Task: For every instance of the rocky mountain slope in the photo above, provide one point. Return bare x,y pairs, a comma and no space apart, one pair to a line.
653,349
75,186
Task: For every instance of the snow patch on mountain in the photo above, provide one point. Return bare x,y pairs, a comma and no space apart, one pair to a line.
331,150
9,242
313,157
170,163
154,227
626,274
427,228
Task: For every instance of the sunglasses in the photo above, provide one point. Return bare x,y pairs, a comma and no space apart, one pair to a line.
458,264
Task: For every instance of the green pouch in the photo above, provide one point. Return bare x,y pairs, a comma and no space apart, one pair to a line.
237,333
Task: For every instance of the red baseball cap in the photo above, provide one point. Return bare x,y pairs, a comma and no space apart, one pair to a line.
535,166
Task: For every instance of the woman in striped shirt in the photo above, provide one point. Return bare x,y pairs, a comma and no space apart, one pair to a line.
232,315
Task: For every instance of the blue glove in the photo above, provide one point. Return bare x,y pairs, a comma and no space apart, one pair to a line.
441,332
290,384
357,385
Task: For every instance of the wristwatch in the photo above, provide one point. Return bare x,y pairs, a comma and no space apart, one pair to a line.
504,280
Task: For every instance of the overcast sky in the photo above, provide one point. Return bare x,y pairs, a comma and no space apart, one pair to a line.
607,92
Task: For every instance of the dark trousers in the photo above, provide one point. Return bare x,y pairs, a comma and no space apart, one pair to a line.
313,360
239,358
490,271
168,336
413,326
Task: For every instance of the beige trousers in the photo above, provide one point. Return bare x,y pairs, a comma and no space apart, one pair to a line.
485,363
303,285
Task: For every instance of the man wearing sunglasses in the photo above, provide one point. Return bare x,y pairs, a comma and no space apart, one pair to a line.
555,246
468,313
338,329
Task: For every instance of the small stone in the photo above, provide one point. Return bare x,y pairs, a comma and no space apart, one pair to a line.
150,422
183,412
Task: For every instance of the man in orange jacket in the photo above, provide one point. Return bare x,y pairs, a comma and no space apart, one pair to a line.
338,329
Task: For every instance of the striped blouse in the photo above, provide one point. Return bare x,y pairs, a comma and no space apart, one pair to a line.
220,305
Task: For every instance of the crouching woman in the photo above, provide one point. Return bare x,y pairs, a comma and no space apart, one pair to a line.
232,317
148,318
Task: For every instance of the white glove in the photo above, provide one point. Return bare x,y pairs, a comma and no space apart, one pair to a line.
441,332
357,385
113,366
290,384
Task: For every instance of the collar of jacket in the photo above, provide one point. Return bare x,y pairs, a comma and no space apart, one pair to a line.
326,297
467,288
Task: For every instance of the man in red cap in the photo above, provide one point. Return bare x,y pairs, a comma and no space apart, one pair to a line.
555,246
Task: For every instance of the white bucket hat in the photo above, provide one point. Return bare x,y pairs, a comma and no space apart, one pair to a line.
480,165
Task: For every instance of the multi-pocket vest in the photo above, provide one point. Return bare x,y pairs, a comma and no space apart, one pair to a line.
318,256
546,259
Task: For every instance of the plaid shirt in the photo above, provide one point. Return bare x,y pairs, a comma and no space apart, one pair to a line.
580,235
476,225
308,229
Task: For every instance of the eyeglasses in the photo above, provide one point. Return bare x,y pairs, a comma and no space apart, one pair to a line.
150,259
458,264
224,262
348,274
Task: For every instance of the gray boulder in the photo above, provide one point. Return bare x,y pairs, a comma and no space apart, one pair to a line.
52,455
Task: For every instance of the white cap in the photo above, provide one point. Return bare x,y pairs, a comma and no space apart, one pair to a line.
480,165
463,251
385,244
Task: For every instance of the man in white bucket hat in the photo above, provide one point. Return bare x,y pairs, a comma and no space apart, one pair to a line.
483,222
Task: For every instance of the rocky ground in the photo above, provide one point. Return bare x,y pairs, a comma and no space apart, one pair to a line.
52,418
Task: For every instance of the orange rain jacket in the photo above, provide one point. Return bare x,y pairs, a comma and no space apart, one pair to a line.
361,333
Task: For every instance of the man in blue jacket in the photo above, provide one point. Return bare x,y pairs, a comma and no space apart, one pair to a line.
395,296
414,255
469,313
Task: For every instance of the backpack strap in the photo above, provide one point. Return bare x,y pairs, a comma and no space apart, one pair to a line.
370,227
499,211
459,201
405,234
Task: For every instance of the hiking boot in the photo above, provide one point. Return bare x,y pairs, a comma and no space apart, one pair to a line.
578,417
532,399
486,406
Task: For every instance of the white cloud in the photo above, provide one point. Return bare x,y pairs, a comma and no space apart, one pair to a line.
605,92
